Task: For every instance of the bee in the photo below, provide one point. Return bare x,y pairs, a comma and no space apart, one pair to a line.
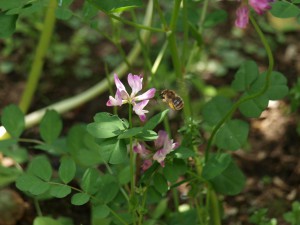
174,101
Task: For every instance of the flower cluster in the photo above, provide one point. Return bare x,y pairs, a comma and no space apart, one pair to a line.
138,101
162,144
242,13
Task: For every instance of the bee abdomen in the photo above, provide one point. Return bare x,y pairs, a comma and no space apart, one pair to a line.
178,103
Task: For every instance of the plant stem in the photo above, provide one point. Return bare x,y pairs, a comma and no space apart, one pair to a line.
249,97
132,164
132,170
37,207
38,62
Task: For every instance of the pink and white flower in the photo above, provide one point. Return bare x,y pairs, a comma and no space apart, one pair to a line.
167,146
242,17
242,13
164,146
138,101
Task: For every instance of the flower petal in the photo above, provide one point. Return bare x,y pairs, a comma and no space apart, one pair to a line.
242,18
159,156
138,109
146,164
260,6
141,149
147,95
117,101
136,83
162,136
120,86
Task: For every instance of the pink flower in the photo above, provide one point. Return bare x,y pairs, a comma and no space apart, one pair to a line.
164,146
167,147
122,96
260,6
242,18
242,13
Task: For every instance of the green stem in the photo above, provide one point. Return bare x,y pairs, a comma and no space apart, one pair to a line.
132,170
37,207
39,57
117,216
136,25
132,175
246,98
33,141
176,60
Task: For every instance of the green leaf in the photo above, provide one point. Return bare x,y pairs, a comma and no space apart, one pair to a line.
254,107
88,183
25,181
245,76
113,150
45,221
67,169
32,184
160,209
216,165
160,183
147,135
60,191
284,9
130,132
6,5
215,110
39,187
100,211
89,10
155,120
232,135
58,147
8,24
13,120
278,86
83,147
80,199
174,169
116,5
8,175
184,153
11,149
124,175
230,182
63,13
41,167
50,126
106,126
214,18
108,188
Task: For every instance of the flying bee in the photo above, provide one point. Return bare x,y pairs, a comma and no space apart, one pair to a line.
174,101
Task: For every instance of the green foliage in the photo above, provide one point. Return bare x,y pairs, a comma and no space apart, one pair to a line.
259,218
293,217
8,24
116,6
50,126
13,120
232,135
45,221
67,169
215,18
80,199
284,9
230,182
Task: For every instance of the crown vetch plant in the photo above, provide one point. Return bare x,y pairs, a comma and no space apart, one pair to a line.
125,169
